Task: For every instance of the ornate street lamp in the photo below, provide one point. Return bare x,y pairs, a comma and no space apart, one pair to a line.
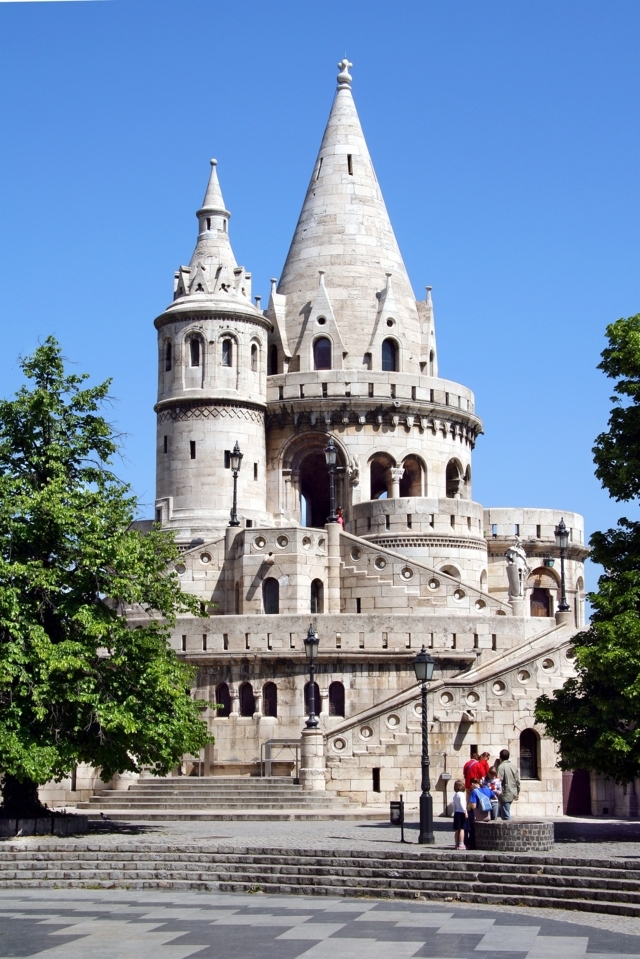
235,461
423,665
331,458
562,541
311,644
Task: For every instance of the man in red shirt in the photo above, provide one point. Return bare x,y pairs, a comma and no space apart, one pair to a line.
474,769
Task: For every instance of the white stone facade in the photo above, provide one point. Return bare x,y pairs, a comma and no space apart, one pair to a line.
344,350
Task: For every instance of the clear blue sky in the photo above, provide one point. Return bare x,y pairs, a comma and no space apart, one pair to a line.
505,139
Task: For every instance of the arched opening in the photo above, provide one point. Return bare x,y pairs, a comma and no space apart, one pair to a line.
542,583
223,700
314,490
389,356
167,356
336,699
270,700
317,596
194,350
411,482
483,580
379,468
307,698
529,760
227,352
322,353
273,360
271,595
454,479
247,700
254,358
451,571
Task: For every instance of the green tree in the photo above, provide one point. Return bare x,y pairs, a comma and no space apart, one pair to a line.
77,682
594,717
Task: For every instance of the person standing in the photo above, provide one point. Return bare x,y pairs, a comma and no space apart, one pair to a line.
510,779
459,813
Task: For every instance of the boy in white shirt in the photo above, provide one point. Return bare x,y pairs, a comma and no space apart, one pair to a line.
459,813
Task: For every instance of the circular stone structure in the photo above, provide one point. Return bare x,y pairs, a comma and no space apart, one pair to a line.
514,836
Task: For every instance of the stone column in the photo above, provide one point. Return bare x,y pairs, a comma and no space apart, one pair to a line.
517,605
323,705
208,759
333,564
257,696
235,701
396,474
312,761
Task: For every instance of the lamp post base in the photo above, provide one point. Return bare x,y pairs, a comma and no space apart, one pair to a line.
426,836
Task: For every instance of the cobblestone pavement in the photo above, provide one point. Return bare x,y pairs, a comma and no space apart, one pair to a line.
123,924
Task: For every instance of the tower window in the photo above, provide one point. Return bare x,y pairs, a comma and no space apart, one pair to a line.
208,223
165,443
273,360
319,168
350,164
322,353
194,348
227,352
192,449
227,459
183,644
254,358
167,356
389,356
255,471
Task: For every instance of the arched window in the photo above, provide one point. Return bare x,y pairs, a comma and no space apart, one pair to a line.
270,700
322,354
317,596
273,360
579,601
529,754
411,482
451,571
223,699
271,595
227,352
254,358
381,463
453,479
336,699
167,356
307,698
247,700
194,350
483,580
543,585
389,356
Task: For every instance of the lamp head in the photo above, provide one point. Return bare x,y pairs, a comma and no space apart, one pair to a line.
424,665
330,453
311,643
236,458
562,535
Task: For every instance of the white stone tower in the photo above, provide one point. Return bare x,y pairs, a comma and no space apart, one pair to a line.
211,386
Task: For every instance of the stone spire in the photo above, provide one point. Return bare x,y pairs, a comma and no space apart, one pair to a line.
345,231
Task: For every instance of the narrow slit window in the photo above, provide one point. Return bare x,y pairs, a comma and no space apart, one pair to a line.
227,459
319,168
376,779
192,449
358,605
350,163
208,223
183,644
204,642
165,443
254,358
194,349
167,356
255,471
538,532
227,352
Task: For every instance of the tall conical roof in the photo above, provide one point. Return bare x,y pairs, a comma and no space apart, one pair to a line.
344,230
213,246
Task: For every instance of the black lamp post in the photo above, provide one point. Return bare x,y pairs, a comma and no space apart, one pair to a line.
562,541
311,644
235,461
331,457
423,665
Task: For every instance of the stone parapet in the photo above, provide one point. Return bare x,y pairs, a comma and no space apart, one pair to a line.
514,836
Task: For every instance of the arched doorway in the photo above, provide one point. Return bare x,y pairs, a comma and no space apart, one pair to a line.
411,482
307,496
336,699
379,467
542,583
223,701
271,595
317,596
314,490
247,700
529,758
270,700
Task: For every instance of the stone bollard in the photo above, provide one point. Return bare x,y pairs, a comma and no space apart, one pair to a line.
514,835
312,760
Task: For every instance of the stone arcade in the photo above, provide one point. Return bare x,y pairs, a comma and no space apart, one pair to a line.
344,350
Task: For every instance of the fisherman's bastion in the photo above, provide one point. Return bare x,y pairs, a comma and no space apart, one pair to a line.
345,352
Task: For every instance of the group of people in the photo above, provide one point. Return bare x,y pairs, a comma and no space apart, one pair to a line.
485,793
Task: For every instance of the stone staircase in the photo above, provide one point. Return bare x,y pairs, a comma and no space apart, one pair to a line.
606,885
221,797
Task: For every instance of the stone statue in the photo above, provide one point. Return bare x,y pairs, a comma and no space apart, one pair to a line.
517,569
353,470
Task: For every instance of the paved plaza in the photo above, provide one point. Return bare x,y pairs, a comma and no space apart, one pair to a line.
127,924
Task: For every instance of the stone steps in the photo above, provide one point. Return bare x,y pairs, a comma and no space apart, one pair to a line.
609,886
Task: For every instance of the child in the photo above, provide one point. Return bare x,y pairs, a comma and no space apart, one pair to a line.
459,813
494,783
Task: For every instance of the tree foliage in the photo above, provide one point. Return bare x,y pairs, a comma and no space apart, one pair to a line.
595,716
77,682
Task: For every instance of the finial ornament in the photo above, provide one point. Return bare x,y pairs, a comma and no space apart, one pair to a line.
344,77
213,162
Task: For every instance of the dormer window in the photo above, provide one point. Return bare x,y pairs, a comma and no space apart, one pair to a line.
389,356
322,353
194,351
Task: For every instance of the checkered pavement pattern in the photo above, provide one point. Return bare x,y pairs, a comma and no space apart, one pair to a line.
130,924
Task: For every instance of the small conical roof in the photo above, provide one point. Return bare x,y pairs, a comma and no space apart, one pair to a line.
213,248
213,202
344,229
